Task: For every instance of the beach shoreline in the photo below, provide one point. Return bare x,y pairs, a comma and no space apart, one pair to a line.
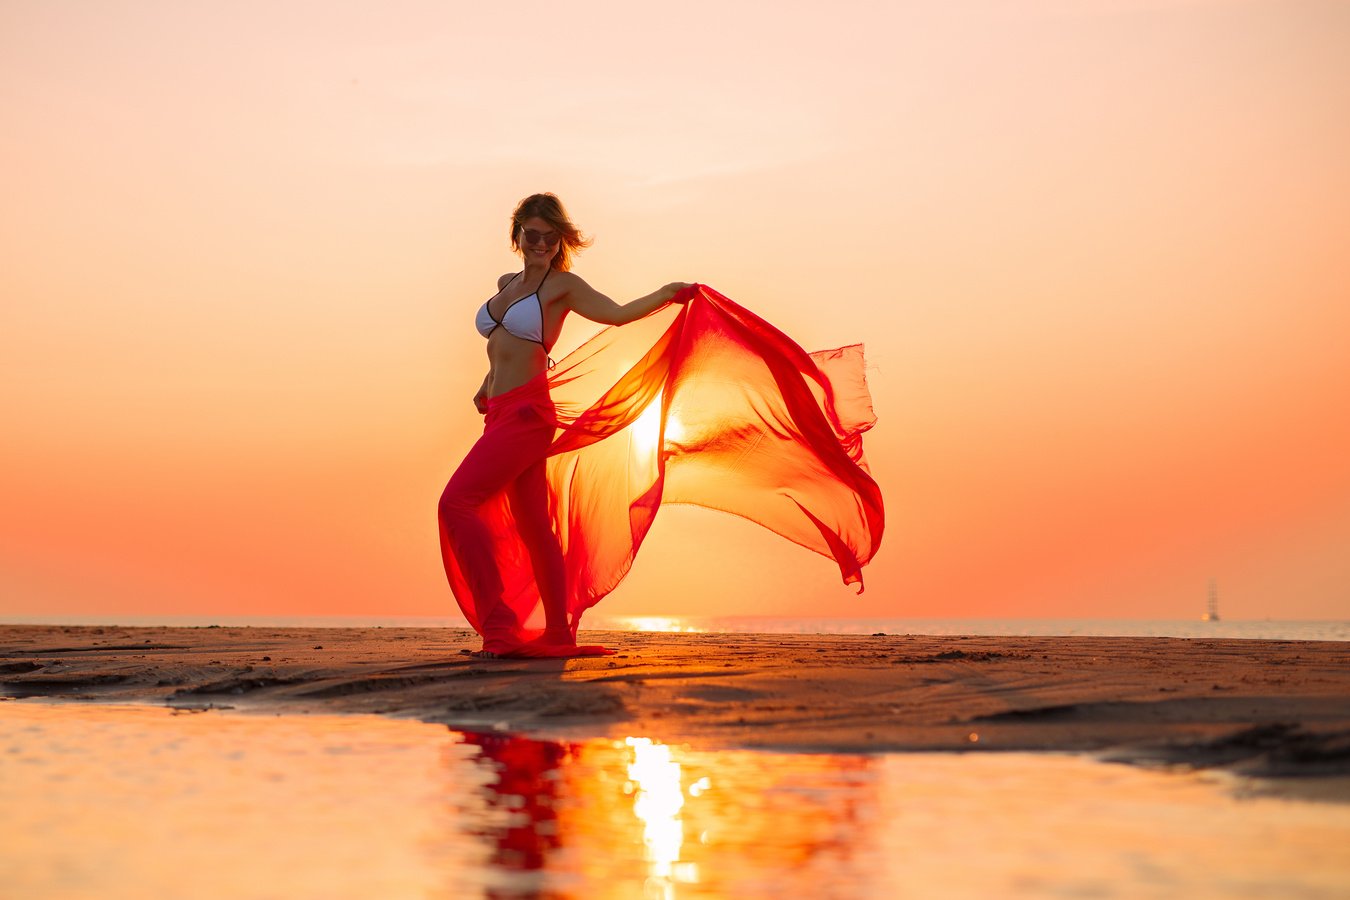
1255,707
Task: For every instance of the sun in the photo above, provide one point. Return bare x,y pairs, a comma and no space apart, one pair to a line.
647,428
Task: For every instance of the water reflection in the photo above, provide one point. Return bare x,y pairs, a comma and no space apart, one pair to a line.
519,793
136,801
649,623
637,814
655,779
636,817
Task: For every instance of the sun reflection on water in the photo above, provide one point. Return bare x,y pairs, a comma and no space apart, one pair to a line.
657,623
656,777
684,815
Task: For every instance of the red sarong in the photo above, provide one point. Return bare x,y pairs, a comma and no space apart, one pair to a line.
704,403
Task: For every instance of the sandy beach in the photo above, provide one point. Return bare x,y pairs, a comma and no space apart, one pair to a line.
1258,707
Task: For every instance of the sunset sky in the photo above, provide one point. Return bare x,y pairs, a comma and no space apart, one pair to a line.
1097,252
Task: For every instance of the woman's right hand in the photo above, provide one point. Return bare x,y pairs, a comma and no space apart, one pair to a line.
480,401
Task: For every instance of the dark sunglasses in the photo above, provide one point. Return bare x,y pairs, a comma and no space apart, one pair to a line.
547,238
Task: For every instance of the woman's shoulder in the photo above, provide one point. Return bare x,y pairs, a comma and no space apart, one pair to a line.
568,279
505,280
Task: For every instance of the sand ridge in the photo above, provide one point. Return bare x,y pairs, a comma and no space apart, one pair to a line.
1266,707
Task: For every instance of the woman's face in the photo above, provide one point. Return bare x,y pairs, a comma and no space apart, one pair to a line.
538,240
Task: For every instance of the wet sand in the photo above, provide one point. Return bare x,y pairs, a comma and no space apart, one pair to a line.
1267,708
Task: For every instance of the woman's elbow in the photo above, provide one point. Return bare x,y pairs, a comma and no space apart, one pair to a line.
610,315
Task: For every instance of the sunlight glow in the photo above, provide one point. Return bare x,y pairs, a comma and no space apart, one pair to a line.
659,623
658,803
647,428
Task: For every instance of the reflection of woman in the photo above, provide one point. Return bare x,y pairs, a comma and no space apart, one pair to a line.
521,323
524,780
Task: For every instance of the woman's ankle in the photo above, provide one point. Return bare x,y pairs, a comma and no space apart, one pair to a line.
556,633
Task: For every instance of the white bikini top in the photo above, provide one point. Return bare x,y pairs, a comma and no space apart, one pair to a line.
523,320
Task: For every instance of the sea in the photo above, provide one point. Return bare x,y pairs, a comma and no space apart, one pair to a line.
123,802
1255,629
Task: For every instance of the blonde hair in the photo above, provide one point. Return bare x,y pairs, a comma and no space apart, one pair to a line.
549,208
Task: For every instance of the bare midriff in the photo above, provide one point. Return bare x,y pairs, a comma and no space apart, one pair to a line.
512,361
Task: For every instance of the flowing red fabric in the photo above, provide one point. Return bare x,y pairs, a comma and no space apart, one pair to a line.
704,403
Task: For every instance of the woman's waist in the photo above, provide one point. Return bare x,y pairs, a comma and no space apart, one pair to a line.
518,384
515,382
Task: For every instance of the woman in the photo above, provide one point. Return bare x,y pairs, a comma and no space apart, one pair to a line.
704,403
521,323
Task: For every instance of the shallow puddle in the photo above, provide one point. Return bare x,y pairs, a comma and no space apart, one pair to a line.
140,801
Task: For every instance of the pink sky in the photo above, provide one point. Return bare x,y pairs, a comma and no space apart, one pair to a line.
1096,253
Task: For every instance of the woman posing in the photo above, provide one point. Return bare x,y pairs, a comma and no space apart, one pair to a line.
521,323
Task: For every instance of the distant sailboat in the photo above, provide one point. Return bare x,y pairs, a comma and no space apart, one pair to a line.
1212,607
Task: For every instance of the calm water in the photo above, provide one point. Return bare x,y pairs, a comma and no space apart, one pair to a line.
1307,630
1264,629
141,801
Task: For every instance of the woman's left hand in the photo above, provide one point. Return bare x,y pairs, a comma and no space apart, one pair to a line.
676,288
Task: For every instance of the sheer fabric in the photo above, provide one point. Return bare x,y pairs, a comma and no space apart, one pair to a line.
704,403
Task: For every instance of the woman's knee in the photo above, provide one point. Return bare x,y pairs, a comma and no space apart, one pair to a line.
454,506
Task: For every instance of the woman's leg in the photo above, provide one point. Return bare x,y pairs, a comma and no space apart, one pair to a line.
510,444
508,458
528,496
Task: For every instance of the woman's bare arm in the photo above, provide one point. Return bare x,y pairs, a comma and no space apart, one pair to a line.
586,301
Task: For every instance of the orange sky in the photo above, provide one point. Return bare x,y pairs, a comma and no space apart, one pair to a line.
1095,250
